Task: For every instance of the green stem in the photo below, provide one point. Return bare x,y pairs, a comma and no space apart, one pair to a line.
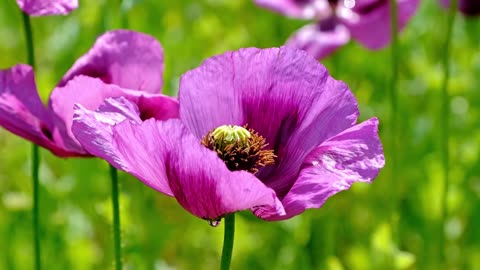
35,209
116,218
29,39
393,162
35,152
444,119
228,238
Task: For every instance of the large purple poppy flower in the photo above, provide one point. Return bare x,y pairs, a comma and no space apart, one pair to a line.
467,7
47,7
303,143
335,21
124,60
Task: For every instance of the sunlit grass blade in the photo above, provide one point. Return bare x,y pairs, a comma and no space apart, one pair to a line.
445,123
392,162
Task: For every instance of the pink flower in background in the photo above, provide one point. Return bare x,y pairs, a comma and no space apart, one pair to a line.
336,21
467,7
262,129
47,7
120,64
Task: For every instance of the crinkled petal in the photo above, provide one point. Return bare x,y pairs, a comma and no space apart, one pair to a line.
200,181
362,19
208,96
355,155
91,93
121,107
319,43
282,93
23,113
126,58
167,157
305,9
156,106
47,7
93,129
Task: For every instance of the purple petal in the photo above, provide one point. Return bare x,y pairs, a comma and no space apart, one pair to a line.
23,113
126,58
200,181
91,93
283,94
318,42
47,7
363,6
376,16
165,156
305,9
94,130
156,106
122,109
355,155
208,96
88,92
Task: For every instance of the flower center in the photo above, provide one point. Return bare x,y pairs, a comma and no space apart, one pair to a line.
239,148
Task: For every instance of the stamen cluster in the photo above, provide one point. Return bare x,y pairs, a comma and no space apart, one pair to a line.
239,148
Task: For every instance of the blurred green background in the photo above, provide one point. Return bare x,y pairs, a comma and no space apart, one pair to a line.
352,231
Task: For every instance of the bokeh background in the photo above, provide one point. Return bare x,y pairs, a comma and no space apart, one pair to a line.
354,228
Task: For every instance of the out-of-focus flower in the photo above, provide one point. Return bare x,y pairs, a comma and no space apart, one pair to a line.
467,7
47,7
336,21
261,129
124,60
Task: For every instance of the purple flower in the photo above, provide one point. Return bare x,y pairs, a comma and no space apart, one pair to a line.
335,21
124,60
467,7
267,130
47,7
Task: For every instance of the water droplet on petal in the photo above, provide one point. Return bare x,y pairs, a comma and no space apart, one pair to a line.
349,3
214,223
